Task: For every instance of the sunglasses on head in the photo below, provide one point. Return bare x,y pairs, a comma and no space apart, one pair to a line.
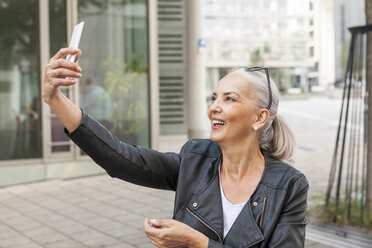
259,68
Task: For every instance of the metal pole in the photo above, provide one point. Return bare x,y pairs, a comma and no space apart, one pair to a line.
369,122
364,151
332,172
345,128
350,165
353,131
364,166
359,117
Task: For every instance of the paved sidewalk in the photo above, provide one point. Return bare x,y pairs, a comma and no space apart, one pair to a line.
94,211
89,212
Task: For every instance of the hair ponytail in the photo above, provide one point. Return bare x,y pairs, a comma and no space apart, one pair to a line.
279,141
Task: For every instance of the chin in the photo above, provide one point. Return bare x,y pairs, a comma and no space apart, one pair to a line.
216,138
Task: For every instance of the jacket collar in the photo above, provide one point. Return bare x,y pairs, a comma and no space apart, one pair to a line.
206,204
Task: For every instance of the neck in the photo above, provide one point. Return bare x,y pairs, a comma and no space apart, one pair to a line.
241,159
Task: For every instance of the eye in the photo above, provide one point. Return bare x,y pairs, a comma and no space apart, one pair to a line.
230,99
212,98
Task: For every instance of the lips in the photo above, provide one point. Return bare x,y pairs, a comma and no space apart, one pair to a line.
218,123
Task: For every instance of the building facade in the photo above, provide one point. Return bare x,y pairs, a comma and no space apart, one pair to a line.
285,35
119,86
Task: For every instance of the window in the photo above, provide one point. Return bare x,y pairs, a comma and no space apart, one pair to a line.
20,100
311,51
114,86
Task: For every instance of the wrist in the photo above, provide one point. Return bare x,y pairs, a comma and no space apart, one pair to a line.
52,99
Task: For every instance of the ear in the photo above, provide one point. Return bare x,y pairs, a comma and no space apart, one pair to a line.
262,117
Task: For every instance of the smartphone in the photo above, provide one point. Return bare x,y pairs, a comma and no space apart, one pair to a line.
75,40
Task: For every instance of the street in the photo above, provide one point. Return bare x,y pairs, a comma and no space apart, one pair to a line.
314,122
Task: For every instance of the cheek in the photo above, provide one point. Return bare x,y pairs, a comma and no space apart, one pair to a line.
242,119
209,113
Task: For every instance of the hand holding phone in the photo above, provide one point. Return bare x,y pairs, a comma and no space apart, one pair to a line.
75,40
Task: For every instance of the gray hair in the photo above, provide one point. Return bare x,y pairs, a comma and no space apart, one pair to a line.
275,137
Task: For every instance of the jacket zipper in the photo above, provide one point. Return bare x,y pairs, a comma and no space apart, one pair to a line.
205,224
262,213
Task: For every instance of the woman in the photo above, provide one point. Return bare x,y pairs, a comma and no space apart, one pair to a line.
234,190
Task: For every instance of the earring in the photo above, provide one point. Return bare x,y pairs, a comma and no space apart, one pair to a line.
255,128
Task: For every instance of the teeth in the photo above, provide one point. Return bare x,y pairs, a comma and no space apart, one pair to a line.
215,122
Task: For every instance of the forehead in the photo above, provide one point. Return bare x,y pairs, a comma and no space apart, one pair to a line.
234,82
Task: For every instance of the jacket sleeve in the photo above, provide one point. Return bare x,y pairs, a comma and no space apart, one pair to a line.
290,229
131,163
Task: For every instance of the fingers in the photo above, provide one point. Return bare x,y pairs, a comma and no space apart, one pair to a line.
161,222
154,243
159,236
63,52
151,228
172,233
58,63
62,73
78,54
62,81
61,68
163,241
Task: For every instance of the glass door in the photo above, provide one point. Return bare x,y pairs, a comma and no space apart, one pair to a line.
20,98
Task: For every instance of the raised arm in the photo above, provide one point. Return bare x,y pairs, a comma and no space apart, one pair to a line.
128,162
60,72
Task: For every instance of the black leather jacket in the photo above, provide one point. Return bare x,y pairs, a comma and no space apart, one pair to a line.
274,216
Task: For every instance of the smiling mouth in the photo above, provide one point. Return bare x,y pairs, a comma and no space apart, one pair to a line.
218,124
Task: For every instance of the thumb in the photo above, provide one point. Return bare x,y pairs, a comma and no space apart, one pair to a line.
160,223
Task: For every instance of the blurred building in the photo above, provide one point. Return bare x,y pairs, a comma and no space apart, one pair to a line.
294,38
347,13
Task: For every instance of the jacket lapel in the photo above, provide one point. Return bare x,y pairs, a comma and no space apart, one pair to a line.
206,201
245,231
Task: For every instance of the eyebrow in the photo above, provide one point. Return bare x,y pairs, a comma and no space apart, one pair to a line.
227,93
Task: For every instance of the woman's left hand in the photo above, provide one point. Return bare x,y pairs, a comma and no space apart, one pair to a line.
172,233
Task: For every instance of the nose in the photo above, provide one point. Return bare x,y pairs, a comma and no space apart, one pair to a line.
214,106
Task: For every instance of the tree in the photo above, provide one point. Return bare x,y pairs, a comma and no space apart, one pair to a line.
368,9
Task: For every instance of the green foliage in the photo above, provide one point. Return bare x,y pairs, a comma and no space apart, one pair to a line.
256,57
323,214
125,84
135,64
19,37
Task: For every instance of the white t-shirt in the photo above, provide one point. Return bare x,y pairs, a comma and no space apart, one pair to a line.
230,212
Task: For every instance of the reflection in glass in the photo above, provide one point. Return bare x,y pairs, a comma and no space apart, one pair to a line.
20,103
114,87
58,39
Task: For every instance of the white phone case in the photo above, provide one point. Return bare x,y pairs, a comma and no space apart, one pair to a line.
75,40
